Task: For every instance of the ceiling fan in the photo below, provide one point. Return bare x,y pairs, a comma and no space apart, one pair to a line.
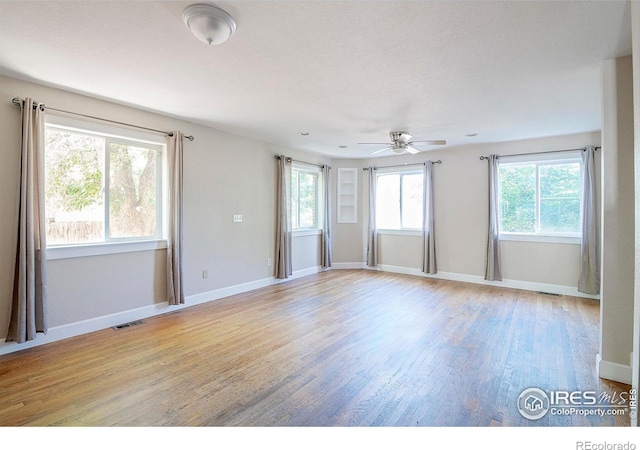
401,142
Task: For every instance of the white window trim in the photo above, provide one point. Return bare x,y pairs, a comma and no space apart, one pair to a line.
402,232
113,246
102,129
305,232
548,238
401,171
101,248
542,159
310,168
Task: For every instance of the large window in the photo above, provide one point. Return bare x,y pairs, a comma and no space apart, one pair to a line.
540,197
399,200
101,188
305,198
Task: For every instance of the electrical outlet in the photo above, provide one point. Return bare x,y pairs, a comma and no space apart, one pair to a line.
205,274
269,262
237,218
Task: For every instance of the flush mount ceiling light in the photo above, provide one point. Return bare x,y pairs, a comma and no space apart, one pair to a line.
209,24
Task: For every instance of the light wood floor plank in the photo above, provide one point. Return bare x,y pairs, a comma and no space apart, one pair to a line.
340,348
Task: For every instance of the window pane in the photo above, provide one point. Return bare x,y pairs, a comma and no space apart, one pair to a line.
133,191
295,222
308,190
517,198
388,202
74,179
560,198
412,201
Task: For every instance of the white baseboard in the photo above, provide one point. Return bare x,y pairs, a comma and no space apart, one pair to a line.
228,291
100,323
86,326
476,279
613,371
349,265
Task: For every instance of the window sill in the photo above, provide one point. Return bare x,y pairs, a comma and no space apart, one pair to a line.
82,250
401,232
540,238
301,233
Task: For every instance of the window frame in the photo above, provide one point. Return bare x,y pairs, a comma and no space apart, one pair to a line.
405,231
539,160
117,135
317,229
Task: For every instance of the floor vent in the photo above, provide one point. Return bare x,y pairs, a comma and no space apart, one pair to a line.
549,293
127,325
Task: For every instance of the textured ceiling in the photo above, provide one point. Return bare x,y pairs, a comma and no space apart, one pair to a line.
343,71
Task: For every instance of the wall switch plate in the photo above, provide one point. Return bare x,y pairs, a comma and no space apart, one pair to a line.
237,218
269,262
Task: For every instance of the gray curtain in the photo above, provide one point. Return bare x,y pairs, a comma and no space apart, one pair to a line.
283,263
429,264
589,281
175,292
372,232
326,228
493,271
29,306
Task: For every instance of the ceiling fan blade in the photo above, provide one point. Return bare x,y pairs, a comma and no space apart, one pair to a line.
381,150
433,142
411,150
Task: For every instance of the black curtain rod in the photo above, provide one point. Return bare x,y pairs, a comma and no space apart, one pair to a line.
540,153
289,159
19,102
403,165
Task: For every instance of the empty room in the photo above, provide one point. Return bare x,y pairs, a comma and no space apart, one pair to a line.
318,214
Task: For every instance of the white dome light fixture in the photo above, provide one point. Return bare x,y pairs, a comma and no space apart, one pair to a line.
209,24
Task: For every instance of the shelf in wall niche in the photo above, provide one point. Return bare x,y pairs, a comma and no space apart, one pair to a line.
347,195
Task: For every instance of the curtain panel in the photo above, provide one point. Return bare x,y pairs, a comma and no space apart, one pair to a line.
29,303
493,271
326,228
589,281
175,291
372,232
429,264
283,263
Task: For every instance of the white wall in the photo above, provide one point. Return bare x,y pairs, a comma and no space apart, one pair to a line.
347,238
616,312
635,29
224,175
460,197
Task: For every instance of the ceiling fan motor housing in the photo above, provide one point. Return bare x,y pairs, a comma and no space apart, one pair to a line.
400,136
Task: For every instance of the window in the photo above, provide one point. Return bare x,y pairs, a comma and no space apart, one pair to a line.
540,197
305,198
101,188
399,200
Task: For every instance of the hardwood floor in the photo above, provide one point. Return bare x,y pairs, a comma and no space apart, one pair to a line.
340,348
